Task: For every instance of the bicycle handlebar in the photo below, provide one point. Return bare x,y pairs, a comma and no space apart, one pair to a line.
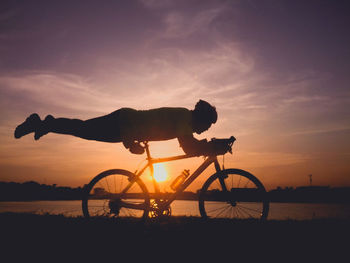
222,146
216,147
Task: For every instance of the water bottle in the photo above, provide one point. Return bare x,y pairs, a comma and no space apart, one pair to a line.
180,179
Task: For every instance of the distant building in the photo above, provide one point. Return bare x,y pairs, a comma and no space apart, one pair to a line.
99,191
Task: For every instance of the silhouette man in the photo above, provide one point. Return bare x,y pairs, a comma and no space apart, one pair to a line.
131,126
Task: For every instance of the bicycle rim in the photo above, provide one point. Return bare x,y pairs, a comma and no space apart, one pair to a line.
113,194
244,198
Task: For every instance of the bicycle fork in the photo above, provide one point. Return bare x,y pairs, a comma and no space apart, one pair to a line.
222,176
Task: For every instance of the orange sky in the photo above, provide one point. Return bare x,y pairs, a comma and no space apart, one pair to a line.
277,72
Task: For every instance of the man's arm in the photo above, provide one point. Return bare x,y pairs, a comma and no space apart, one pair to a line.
192,146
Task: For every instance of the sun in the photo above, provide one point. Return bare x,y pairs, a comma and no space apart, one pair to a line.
160,173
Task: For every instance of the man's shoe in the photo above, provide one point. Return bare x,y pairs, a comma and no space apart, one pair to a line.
44,127
28,126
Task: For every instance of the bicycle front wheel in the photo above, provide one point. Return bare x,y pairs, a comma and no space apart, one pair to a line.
233,193
116,193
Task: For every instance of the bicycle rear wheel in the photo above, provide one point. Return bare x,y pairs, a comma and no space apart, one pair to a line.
116,193
233,193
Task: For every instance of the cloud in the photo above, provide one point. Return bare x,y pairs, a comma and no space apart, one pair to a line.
181,25
320,131
51,90
270,159
174,76
305,99
157,4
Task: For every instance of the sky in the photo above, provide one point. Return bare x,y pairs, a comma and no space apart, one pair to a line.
277,72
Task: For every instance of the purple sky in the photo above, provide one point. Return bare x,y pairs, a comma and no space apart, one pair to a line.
277,71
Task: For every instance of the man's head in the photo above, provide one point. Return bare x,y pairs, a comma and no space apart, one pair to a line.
204,115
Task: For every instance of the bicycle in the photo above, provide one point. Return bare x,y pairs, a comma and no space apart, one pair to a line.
228,193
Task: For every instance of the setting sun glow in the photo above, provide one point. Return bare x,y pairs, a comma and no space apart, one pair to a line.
160,173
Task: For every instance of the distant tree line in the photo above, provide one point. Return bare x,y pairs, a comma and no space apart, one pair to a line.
10,191
311,194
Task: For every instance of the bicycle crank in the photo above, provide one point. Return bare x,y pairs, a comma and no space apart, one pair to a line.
158,209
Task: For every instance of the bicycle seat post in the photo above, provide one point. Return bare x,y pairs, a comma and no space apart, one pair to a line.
147,150
150,164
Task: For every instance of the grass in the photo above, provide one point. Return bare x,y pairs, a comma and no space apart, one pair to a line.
175,235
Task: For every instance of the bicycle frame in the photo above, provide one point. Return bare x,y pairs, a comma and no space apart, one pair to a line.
151,161
218,197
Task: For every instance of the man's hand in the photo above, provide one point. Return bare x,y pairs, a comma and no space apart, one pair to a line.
221,146
134,147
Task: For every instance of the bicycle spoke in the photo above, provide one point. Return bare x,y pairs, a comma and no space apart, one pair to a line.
231,213
244,212
251,209
132,212
115,185
106,178
224,209
121,185
216,211
236,213
100,184
239,181
218,185
213,210
220,209
100,210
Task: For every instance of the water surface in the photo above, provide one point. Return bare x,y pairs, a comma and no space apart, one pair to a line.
278,211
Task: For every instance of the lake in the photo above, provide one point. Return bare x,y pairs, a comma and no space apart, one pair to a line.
278,211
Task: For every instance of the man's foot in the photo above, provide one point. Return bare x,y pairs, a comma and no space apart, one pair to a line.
28,126
44,127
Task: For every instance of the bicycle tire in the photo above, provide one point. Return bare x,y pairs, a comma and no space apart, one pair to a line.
104,197
236,202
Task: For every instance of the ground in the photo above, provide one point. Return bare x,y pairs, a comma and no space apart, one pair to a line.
176,237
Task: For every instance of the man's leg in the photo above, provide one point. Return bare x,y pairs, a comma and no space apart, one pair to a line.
105,128
28,126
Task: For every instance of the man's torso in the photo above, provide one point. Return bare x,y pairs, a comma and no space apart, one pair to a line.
155,124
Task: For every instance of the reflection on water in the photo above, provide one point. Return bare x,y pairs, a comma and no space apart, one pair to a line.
302,211
278,211
105,207
69,208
